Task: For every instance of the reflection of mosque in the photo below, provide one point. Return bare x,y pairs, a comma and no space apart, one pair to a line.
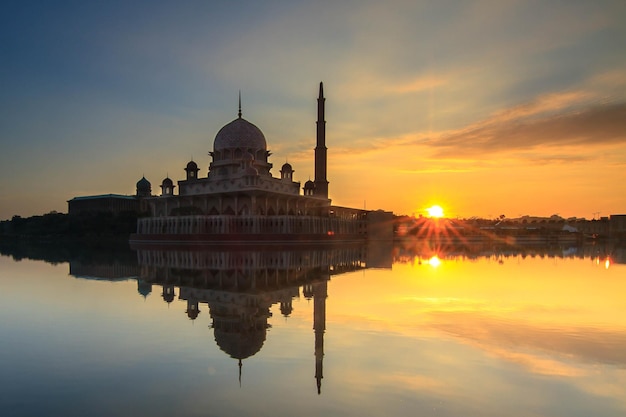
111,272
240,287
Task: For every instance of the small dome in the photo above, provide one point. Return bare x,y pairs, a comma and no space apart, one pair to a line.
240,133
309,184
191,166
144,185
167,182
286,168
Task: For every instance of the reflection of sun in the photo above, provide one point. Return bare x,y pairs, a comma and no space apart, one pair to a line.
435,211
434,261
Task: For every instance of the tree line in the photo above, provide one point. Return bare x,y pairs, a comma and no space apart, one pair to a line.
83,225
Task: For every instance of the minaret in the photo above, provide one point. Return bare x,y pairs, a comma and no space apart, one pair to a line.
321,183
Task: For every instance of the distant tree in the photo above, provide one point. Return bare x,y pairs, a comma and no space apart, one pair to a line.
56,224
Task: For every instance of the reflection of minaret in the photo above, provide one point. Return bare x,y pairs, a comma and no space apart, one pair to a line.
321,184
320,292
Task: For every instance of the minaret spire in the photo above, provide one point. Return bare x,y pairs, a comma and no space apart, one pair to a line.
321,183
239,114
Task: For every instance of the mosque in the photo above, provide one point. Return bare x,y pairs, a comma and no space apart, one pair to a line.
240,199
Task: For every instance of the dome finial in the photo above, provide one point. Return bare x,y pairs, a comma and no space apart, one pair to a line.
239,104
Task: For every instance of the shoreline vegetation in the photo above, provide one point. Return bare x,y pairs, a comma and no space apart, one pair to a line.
58,237
108,228
53,226
103,238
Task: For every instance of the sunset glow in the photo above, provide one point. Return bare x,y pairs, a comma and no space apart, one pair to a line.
435,211
504,110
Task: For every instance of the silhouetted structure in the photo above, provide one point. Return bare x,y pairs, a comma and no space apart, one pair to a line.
111,203
240,198
240,287
321,159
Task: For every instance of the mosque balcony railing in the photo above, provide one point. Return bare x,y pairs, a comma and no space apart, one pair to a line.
249,224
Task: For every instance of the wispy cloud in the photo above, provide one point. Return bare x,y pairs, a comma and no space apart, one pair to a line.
514,130
369,85
434,171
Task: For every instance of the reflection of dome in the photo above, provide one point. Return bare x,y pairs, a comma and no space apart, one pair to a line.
307,291
192,312
168,293
144,288
240,133
240,344
286,308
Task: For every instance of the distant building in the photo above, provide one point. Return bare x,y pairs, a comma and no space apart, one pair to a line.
617,226
111,203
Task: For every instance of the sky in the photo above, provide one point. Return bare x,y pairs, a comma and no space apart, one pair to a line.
482,107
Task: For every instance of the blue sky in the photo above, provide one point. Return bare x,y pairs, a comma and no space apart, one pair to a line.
484,107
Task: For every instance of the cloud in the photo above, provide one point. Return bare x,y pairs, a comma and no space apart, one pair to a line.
369,85
435,170
518,129
553,158
414,382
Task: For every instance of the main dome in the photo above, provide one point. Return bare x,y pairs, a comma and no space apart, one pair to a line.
240,133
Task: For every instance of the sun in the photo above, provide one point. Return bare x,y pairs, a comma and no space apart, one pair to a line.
435,211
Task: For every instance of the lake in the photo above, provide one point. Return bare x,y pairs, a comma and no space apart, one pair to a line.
417,328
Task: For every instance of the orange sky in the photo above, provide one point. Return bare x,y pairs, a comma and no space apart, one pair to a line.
484,108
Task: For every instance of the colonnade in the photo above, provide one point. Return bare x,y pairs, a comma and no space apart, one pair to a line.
253,224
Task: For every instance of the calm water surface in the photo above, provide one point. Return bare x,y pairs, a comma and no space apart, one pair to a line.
480,331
